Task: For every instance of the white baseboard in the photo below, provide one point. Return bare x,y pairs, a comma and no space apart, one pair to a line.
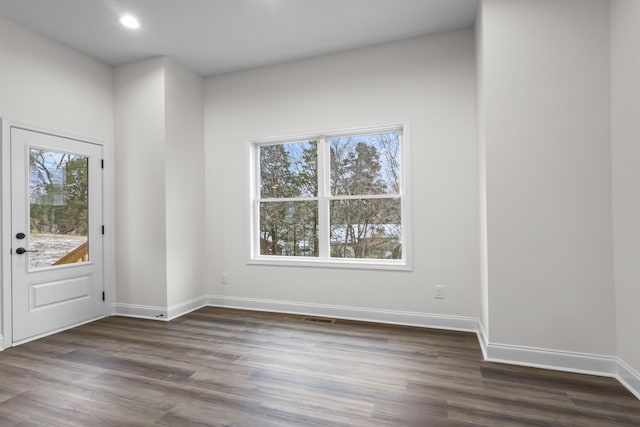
405,318
545,358
185,307
141,311
1,343
552,359
581,363
629,377
159,313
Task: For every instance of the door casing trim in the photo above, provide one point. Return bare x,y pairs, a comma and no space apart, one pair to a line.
6,338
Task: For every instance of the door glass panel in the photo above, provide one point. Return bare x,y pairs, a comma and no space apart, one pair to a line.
59,209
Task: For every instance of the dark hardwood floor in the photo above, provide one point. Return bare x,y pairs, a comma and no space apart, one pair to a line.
225,367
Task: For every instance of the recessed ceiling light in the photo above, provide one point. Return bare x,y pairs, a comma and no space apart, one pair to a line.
129,21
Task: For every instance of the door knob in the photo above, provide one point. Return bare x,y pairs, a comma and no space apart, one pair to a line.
20,251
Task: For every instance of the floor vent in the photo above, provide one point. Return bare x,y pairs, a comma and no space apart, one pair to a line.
318,320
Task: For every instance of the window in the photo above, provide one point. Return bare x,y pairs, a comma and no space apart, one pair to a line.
336,199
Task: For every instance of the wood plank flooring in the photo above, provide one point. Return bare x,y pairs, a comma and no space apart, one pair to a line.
223,367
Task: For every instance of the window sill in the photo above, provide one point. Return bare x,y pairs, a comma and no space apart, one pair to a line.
364,264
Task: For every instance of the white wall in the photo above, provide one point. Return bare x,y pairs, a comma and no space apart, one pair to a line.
47,85
625,61
141,273
429,81
548,158
184,175
160,183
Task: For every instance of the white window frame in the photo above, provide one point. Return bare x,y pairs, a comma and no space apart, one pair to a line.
324,198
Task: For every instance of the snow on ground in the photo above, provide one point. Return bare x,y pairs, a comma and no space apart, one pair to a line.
51,247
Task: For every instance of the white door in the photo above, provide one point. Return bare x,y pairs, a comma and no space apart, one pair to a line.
56,222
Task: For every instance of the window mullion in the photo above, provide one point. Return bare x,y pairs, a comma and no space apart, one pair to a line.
323,197
255,199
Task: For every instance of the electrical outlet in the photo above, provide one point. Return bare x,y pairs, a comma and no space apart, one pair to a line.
439,292
224,278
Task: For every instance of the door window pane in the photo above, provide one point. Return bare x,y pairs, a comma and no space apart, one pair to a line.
59,210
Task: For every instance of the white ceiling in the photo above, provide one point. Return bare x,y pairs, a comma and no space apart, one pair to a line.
219,36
